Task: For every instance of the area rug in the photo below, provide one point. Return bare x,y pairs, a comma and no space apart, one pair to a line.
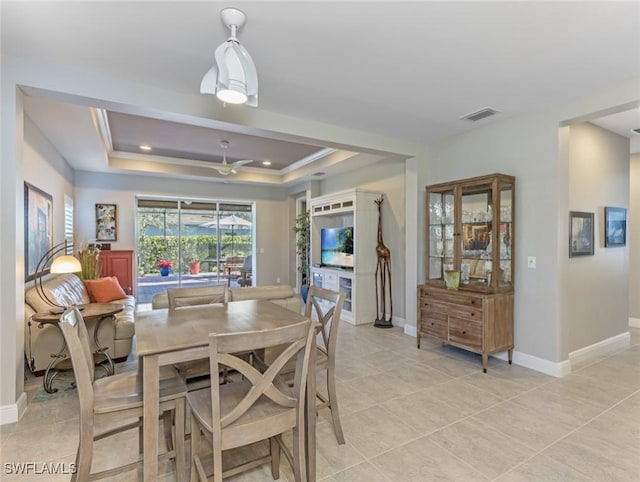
65,382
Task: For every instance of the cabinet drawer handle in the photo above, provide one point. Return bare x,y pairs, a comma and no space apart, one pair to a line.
432,324
473,314
464,332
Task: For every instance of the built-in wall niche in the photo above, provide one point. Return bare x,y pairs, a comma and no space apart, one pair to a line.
348,209
318,223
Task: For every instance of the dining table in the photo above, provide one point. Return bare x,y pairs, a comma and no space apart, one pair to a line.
165,337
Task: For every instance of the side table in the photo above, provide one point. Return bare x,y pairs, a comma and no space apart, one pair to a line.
59,361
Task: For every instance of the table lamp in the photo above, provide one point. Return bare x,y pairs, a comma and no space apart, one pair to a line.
66,263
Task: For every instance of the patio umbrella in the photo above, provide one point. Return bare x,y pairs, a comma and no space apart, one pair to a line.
232,221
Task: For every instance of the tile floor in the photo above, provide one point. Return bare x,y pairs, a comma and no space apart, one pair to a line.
421,415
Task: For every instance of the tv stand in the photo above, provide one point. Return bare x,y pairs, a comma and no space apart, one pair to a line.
355,208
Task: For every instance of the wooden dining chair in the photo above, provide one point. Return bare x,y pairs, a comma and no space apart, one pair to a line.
325,306
259,407
114,401
196,373
199,295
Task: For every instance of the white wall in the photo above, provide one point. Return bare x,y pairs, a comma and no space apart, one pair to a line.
597,286
388,178
633,238
270,203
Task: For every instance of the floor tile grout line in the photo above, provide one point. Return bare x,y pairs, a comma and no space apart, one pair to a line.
595,417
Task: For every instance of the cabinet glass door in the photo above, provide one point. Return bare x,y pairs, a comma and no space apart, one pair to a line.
318,279
345,287
506,234
441,245
476,235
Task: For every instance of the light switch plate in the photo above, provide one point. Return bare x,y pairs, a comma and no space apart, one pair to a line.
531,262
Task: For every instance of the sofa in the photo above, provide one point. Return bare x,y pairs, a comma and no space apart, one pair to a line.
66,290
283,295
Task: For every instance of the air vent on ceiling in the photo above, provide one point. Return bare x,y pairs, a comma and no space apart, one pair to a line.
637,131
480,114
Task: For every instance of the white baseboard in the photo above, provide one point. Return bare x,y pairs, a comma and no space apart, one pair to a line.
601,348
397,321
555,369
12,413
634,322
410,330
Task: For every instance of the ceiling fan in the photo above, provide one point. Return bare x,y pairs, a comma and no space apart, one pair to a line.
223,167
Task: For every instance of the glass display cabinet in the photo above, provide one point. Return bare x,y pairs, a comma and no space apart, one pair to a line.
470,230
467,299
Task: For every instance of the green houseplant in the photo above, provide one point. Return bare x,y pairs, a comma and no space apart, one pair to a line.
302,230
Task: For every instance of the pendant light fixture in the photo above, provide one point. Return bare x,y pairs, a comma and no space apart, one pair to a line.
233,78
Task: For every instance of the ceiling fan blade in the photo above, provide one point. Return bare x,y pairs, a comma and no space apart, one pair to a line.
242,163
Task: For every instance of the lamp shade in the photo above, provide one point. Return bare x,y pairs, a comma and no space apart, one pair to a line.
65,264
233,79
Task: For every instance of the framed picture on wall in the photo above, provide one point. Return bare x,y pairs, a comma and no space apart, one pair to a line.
580,234
106,222
38,228
615,227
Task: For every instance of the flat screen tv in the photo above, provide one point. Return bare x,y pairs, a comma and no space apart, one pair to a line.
336,246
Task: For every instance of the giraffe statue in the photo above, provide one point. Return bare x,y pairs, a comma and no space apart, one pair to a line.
383,277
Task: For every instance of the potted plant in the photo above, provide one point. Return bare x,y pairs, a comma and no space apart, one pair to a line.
194,267
302,230
164,265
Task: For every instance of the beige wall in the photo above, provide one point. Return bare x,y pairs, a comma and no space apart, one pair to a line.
388,178
531,148
116,91
597,286
270,203
527,148
633,238
47,170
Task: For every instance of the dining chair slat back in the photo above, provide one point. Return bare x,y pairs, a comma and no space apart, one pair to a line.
199,295
196,373
258,407
117,394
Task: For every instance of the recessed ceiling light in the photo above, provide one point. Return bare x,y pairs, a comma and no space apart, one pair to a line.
145,147
266,163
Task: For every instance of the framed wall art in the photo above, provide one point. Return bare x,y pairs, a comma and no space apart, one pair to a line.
615,227
106,222
580,234
38,228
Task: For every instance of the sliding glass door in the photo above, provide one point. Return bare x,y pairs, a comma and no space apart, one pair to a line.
192,243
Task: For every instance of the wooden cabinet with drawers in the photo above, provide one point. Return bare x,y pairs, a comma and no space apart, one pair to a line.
478,322
470,238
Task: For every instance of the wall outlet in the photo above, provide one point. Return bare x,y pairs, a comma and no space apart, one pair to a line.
531,262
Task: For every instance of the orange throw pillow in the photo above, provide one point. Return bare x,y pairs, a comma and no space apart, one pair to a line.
104,290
